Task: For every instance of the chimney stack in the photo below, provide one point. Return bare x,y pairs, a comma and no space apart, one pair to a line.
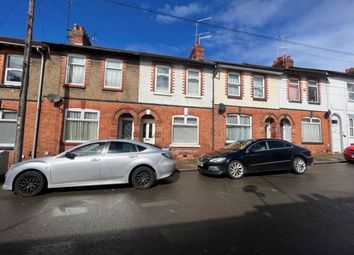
350,70
78,36
283,62
197,52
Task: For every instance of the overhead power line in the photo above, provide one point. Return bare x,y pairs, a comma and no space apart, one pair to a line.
225,28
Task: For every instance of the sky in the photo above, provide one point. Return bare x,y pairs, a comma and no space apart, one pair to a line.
321,23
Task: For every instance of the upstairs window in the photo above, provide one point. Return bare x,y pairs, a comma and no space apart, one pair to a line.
8,128
75,70
185,130
311,130
233,85
113,74
193,82
313,92
258,87
238,127
81,125
162,81
351,126
350,88
294,90
13,72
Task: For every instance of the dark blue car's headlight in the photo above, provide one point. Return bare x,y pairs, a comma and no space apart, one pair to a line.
217,160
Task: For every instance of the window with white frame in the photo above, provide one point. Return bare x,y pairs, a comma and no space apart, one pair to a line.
351,126
185,130
313,91
162,81
294,90
238,127
7,128
234,85
113,74
258,87
75,70
81,125
13,72
193,82
350,88
311,130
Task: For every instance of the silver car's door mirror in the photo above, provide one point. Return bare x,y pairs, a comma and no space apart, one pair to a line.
70,155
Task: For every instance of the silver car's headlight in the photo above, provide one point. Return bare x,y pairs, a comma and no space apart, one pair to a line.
217,160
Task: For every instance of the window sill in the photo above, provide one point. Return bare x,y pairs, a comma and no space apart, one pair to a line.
10,86
185,145
315,103
259,99
162,94
312,143
112,89
7,146
191,96
297,102
76,86
234,97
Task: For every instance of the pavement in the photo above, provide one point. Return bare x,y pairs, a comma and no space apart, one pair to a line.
274,213
191,165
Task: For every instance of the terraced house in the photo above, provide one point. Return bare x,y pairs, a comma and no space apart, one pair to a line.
189,104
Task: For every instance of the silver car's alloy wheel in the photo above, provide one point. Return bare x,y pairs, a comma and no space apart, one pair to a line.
236,169
299,165
29,184
143,178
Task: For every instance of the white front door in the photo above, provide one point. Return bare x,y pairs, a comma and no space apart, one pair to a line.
335,128
148,131
286,132
268,131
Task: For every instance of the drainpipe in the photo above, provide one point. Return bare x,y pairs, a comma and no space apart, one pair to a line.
215,71
39,103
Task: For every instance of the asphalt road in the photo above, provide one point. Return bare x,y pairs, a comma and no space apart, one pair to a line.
280,213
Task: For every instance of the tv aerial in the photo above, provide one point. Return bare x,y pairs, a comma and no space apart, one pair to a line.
200,36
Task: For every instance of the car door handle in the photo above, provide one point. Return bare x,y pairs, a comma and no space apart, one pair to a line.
133,156
95,159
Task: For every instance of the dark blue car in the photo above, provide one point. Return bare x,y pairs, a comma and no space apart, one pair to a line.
259,155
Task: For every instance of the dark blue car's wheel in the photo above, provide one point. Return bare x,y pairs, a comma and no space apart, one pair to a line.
29,184
235,169
299,165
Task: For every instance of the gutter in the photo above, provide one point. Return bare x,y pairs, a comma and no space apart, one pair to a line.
250,69
39,103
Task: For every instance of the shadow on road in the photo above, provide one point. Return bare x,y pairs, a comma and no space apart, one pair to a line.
317,225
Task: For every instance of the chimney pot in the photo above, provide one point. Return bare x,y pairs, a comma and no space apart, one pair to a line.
350,70
78,36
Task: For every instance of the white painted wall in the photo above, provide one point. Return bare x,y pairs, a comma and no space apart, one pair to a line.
339,104
177,97
304,105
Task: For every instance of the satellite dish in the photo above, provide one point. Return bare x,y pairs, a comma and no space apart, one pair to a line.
54,98
222,108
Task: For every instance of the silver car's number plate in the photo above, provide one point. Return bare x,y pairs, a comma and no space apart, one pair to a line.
200,164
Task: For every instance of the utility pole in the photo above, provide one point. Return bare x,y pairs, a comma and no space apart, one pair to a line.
21,116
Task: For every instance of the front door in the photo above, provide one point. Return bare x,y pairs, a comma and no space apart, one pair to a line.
126,128
148,131
336,137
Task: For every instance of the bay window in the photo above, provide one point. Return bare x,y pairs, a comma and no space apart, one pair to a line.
81,125
113,74
311,130
238,127
75,70
185,130
233,85
258,87
13,71
294,90
8,128
162,81
193,82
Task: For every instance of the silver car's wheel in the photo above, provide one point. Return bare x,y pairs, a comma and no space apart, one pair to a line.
299,165
143,177
235,169
29,184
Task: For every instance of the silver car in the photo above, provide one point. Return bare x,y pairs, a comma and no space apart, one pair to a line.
93,163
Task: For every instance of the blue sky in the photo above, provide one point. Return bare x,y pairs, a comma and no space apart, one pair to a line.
323,23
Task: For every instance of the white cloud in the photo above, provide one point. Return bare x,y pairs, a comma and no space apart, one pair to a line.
188,10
